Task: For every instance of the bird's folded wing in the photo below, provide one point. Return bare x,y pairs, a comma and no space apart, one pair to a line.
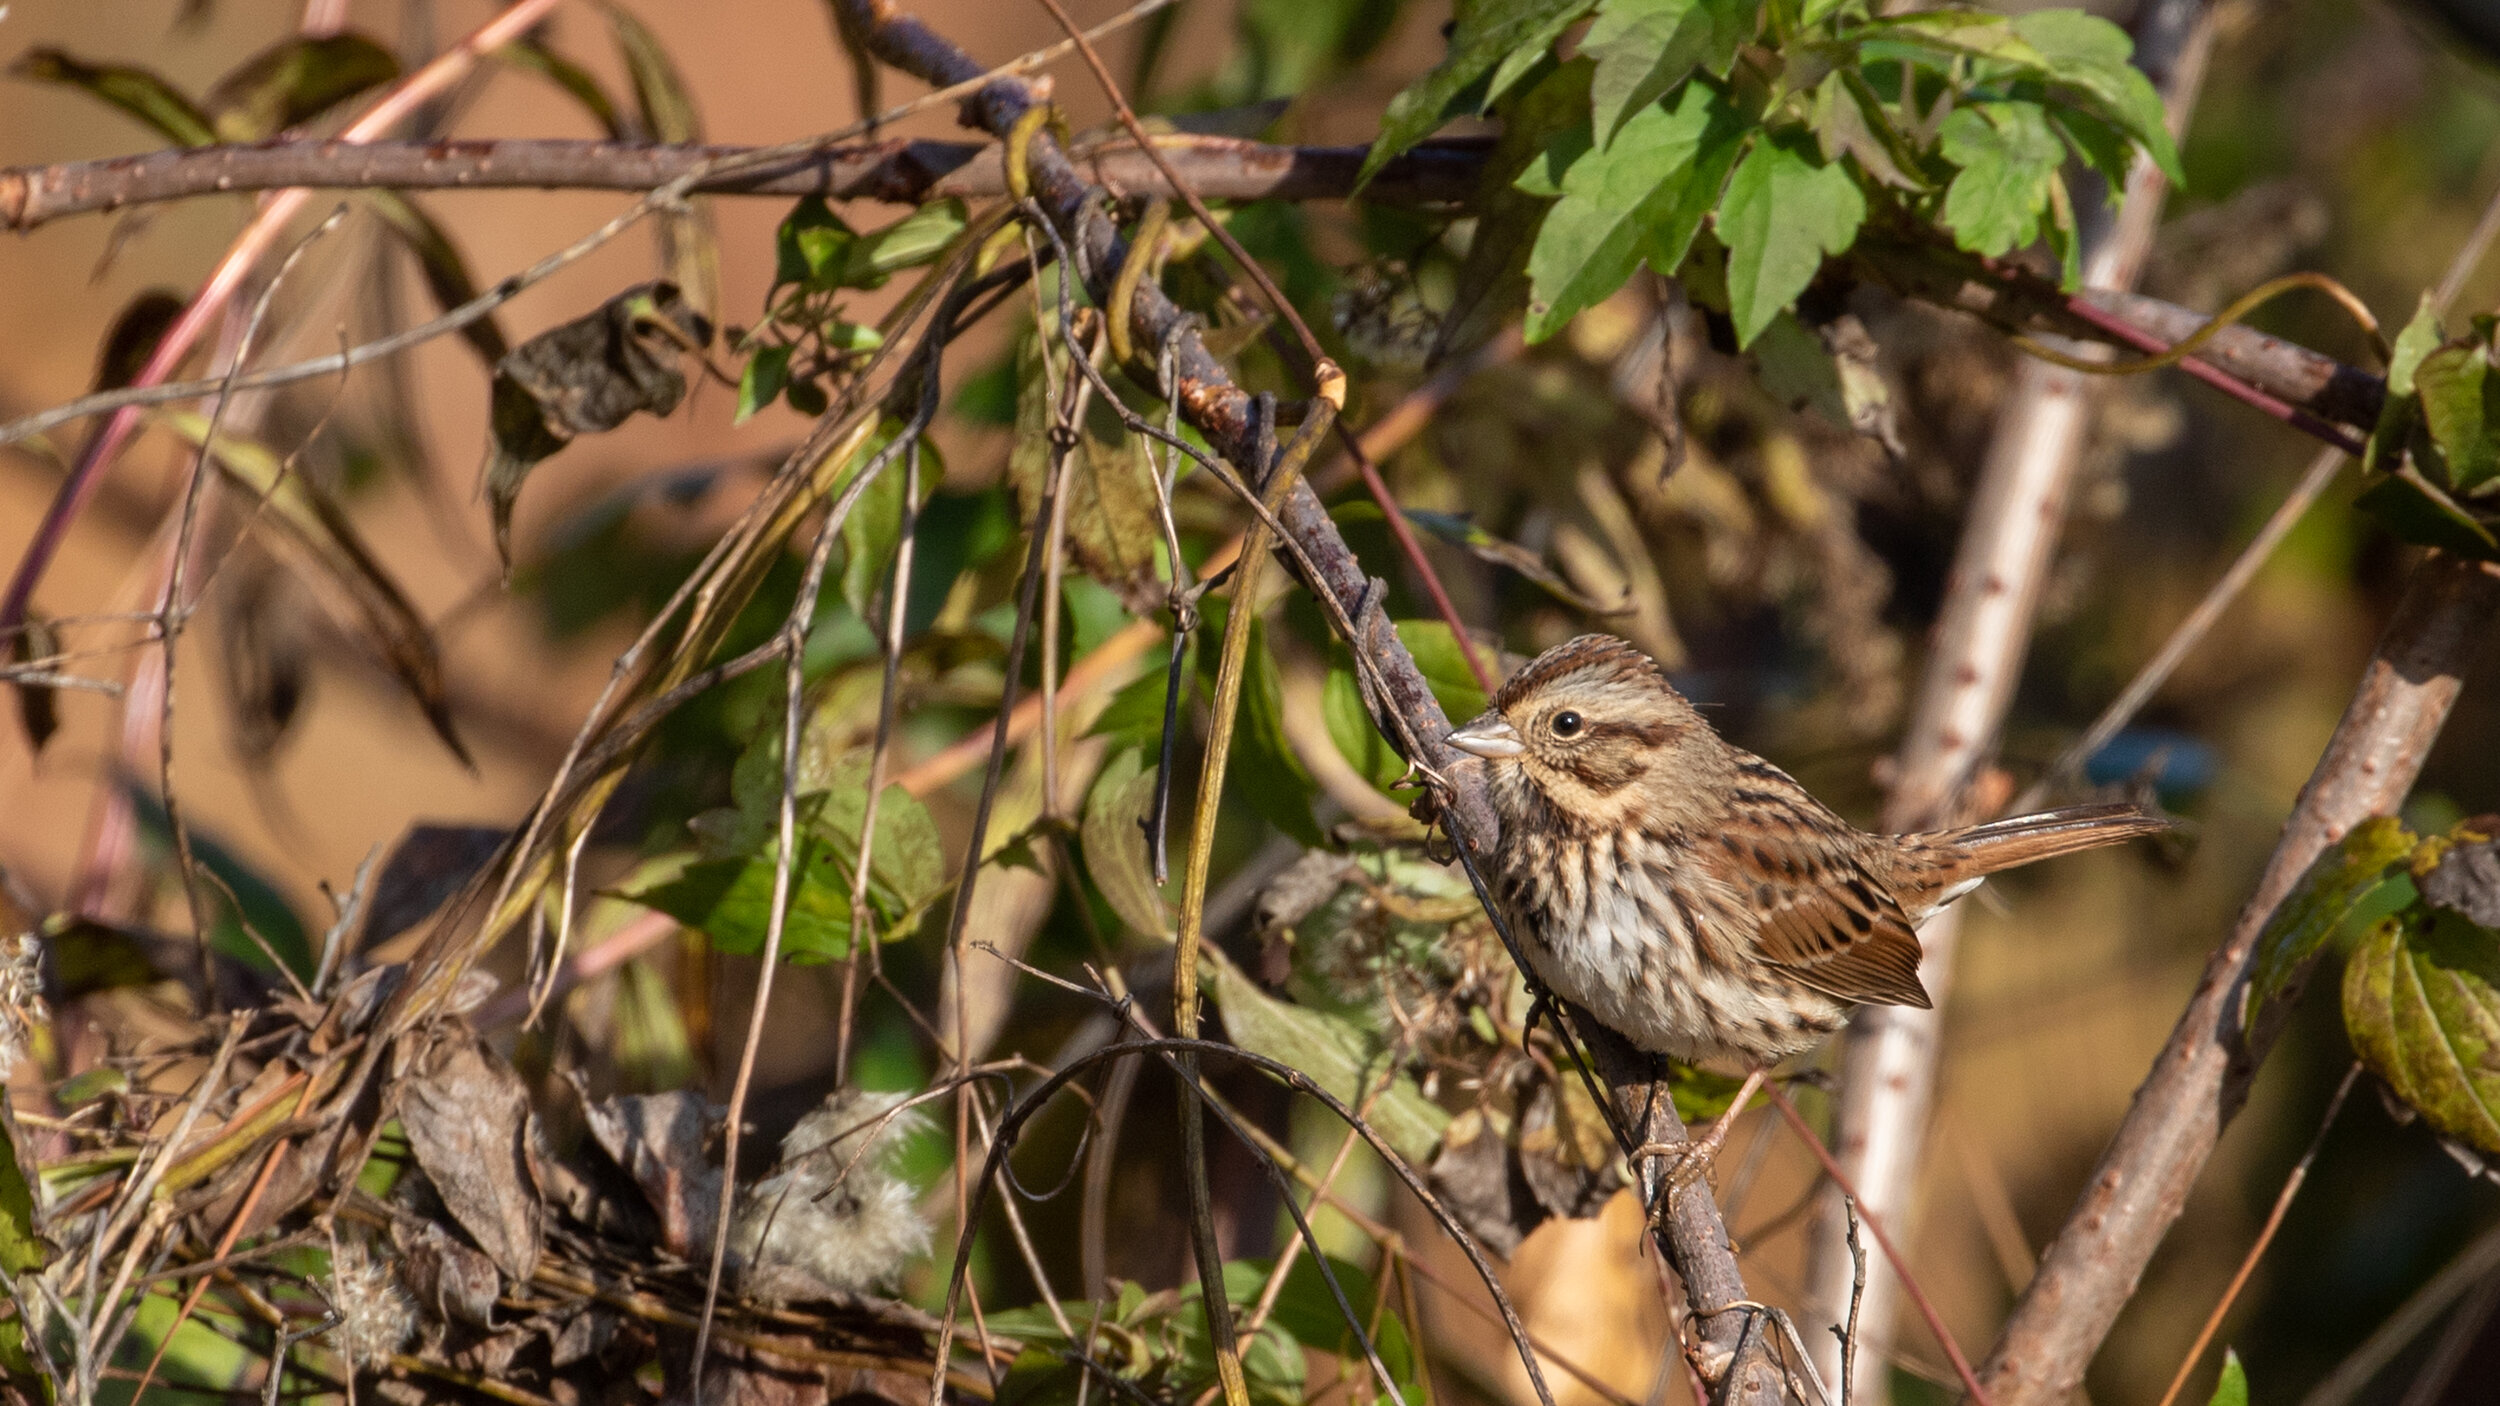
1835,928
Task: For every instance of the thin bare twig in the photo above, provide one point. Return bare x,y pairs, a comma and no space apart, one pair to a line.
793,642
2292,1182
897,610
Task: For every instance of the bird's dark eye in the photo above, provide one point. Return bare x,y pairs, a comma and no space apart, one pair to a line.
1565,724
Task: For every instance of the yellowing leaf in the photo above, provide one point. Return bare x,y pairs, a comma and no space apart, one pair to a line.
294,81
135,91
1114,838
314,526
2422,1006
1337,1055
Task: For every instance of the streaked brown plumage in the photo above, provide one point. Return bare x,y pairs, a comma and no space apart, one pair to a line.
1693,896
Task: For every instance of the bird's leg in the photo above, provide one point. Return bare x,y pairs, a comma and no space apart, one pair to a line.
1691,1159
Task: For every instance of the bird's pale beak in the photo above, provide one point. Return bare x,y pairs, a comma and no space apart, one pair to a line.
1488,737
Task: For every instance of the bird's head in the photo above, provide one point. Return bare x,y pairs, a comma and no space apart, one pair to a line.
1579,728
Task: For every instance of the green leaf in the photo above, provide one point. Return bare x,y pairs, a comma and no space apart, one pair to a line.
1115,843
1309,1315
2089,53
87,1088
767,372
237,895
293,82
1798,371
1641,198
1510,207
1113,524
206,1352
1784,210
1134,716
811,245
873,531
1351,727
1644,48
2008,156
2422,1006
21,1250
2104,148
1444,667
2392,437
2461,413
135,91
730,901
1849,119
1263,769
1493,44
1337,1054
650,1046
908,867
2231,1388
2348,886
909,242
1701,1095
2417,510
446,272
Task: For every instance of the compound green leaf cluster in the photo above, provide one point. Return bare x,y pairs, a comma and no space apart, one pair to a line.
1743,142
817,260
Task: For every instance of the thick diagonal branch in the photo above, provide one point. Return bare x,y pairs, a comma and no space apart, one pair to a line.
2203,1074
1693,1238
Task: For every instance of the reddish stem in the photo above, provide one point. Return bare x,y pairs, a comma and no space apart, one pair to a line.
1900,1266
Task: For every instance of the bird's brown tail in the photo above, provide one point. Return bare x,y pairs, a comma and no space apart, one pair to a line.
2006,844
1956,860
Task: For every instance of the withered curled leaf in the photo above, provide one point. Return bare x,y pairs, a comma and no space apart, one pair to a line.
2467,878
585,377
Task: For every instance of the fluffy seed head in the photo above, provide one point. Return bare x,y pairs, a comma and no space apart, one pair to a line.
837,1213
376,1315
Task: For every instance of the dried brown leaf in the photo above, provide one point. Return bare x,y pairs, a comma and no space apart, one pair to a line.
468,1121
659,1140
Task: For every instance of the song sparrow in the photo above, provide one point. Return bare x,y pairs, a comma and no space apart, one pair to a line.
1693,896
